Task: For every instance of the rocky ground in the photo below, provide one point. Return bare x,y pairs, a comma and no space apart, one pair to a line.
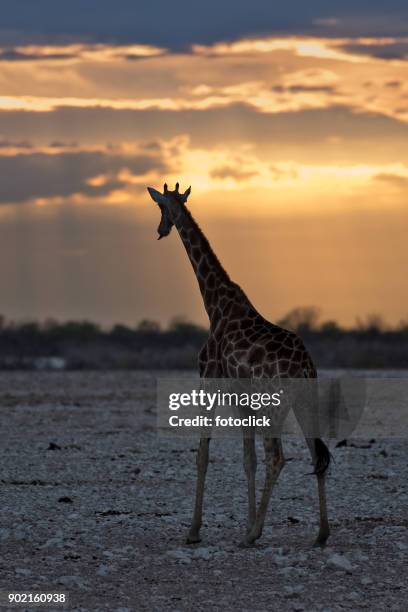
96,505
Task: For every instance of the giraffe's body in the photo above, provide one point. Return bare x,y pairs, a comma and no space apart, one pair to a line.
241,344
248,346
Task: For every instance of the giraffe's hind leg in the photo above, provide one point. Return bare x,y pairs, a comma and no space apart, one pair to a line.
321,459
274,462
250,471
202,464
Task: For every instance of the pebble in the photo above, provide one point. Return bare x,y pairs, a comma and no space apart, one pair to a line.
103,570
4,534
180,555
72,581
340,562
23,571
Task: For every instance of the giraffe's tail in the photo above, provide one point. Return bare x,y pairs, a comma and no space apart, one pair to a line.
322,457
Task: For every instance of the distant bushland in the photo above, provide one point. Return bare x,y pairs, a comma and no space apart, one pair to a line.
86,345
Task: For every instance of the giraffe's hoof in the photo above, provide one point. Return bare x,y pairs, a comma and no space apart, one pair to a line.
320,541
193,538
247,543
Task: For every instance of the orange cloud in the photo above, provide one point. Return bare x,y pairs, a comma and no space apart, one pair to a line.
302,46
271,75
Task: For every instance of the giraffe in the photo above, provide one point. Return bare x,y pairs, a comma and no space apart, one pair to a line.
241,344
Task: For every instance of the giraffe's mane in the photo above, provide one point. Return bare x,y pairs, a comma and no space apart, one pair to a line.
206,242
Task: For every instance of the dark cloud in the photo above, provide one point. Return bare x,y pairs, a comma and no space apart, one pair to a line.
392,51
10,144
278,173
232,172
392,179
336,134
13,55
57,144
179,23
300,88
40,175
232,124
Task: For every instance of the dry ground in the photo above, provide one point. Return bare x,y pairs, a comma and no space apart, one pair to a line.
94,503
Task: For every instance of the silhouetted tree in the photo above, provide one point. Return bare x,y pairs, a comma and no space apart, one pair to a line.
146,325
301,319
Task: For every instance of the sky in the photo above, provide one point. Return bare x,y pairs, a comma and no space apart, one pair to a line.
290,123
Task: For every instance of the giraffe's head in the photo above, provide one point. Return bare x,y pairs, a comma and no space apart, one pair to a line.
169,203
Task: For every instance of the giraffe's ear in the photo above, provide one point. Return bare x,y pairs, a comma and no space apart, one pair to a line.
155,195
186,194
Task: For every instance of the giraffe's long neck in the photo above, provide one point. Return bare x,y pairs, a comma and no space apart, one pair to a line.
213,280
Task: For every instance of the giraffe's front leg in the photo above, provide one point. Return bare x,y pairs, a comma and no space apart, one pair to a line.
250,471
274,462
202,463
